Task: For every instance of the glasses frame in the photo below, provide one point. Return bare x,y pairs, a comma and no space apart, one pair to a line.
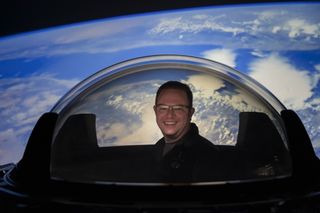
174,108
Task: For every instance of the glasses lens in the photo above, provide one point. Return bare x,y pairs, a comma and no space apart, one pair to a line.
175,108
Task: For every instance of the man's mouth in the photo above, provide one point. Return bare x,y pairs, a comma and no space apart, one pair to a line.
170,123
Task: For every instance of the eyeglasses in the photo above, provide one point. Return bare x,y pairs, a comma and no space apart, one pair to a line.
177,109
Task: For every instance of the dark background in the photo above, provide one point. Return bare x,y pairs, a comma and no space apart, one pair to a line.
18,16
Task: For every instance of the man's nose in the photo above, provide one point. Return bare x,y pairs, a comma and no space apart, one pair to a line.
170,112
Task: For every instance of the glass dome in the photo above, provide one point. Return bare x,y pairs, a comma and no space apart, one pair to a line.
106,130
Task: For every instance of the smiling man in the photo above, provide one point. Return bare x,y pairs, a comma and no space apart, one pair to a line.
182,154
174,110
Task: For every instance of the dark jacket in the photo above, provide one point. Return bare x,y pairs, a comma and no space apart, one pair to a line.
193,159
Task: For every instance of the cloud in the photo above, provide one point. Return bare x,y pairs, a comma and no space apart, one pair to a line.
316,76
10,150
23,100
264,28
217,106
147,129
206,91
301,27
291,85
258,53
224,56
101,36
25,97
126,115
193,23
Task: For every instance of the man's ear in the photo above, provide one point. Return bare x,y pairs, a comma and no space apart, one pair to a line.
154,108
191,112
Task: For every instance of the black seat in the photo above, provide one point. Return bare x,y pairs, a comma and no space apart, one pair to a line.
305,162
76,140
34,167
261,149
77,156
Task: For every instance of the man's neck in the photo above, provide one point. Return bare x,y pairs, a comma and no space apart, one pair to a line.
171,141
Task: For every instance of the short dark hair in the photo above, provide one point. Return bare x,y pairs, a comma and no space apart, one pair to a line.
176,85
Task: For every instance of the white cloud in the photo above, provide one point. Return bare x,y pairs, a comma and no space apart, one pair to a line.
147,130
224,56
193,24
316,76
144,131
97,37
271,14
6,135
128,116
291,85
207,89
212,106
23,100
115,101
89,31
205,85
169,25
258,53
115,130
316,103
300,27
244,27
27,97
10,151
264,28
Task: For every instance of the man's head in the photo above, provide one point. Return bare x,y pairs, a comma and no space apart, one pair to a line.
174,110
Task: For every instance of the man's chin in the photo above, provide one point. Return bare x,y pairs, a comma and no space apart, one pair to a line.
170,132
170,136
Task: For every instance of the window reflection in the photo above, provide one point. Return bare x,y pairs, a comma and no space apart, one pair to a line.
107,131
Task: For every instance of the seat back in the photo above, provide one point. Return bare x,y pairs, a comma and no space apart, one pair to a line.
75,141
260,144
34,165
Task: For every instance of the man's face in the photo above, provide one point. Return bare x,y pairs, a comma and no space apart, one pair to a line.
173,114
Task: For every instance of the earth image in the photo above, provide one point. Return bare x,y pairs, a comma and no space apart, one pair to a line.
277,45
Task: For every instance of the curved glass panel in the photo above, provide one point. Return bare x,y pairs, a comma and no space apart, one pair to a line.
107,130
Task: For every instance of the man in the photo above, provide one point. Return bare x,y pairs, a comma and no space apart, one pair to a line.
182,155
